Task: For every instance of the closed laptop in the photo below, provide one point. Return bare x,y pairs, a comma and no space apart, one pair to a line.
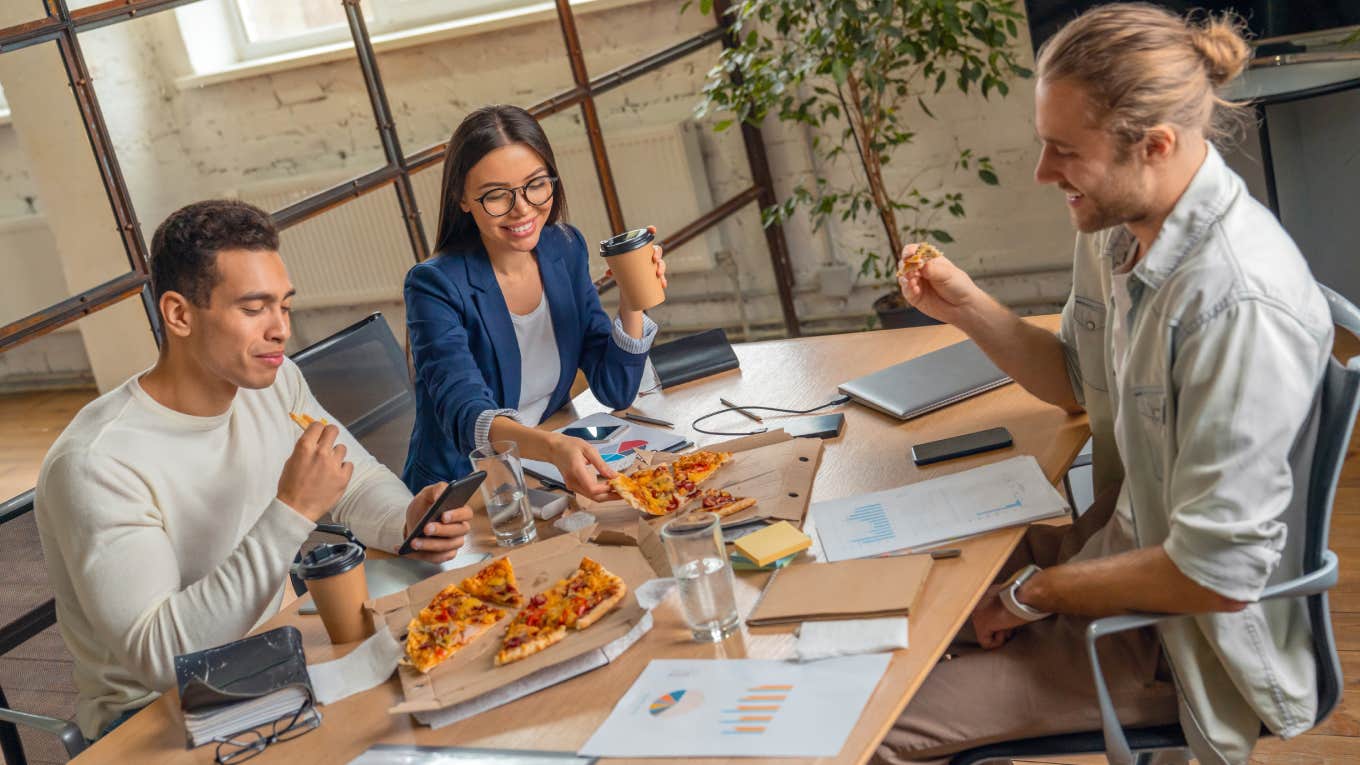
927,382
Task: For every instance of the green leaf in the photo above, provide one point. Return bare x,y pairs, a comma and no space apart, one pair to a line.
988,177
925,108
941,236
722,125
839,71
705,6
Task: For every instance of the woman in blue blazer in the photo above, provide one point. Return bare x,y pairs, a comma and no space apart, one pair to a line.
504,314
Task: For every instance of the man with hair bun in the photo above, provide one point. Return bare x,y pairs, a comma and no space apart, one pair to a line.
1196,340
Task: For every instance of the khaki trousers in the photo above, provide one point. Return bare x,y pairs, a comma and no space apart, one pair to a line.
1039,683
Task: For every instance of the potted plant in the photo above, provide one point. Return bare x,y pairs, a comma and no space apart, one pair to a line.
864,68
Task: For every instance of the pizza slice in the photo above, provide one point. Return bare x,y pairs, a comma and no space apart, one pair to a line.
495,583
537,626
452,620
722,503
305,421
916,259
693,469
649,489
576,602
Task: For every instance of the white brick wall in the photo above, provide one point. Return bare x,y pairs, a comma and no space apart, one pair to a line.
178,145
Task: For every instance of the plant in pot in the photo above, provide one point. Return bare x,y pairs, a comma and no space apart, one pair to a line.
862,71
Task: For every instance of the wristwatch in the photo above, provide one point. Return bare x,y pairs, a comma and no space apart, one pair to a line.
1013,604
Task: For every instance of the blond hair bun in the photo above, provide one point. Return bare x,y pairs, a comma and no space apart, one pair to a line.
1219,41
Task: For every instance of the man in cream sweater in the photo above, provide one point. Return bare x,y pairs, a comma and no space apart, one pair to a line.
171,507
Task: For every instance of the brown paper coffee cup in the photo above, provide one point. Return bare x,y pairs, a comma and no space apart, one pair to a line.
636,274
340,601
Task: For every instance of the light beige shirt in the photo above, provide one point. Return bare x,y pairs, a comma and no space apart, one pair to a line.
1212,419
162,534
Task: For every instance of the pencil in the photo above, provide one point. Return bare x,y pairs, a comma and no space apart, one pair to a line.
649,420
727,403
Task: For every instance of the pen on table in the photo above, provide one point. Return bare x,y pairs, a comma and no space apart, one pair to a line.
649,420
727,403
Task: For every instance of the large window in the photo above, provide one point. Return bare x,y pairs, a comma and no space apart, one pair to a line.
265,28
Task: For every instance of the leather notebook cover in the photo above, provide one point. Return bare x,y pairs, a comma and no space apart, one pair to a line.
246,669
692,357
852,589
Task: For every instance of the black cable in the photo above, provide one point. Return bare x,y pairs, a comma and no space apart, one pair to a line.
833,402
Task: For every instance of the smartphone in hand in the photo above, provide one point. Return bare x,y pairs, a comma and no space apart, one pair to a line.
456,494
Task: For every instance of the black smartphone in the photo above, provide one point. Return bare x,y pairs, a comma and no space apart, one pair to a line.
597,434
455,494
960,446
820,426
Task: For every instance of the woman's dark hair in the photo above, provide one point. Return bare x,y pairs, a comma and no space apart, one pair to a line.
482,131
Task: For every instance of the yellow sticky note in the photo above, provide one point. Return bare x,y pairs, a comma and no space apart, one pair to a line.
772,543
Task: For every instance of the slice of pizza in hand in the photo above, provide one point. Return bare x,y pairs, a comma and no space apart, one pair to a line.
916,259
305,421
693,469
722,503
649,489
495,583
452,620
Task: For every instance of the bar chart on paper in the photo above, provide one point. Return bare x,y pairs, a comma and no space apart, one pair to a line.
739,707
1006,493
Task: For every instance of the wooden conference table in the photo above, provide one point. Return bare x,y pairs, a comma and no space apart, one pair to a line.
872,453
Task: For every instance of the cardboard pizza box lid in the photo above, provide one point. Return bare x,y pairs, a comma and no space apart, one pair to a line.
471,673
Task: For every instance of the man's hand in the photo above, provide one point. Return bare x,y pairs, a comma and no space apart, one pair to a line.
581,467
992,623
441,538
938,288
316,474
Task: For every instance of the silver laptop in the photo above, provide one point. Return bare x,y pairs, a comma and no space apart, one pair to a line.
928,382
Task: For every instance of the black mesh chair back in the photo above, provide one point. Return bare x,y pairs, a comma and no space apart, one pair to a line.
359,375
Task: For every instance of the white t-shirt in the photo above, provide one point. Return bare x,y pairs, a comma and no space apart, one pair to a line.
162,534
539,365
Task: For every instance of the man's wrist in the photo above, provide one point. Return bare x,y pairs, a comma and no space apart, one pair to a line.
1012,600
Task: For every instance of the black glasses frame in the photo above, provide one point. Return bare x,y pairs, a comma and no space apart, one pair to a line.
523,191
249,743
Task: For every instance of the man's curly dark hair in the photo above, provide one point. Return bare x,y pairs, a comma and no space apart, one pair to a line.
184,249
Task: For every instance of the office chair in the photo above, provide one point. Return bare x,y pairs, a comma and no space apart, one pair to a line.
359,375
1340,400
14,634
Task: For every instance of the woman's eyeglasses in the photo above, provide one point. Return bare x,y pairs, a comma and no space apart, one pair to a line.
538,192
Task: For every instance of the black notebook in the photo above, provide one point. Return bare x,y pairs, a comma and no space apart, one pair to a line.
243,685
692,357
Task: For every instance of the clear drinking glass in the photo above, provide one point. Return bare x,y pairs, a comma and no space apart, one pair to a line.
699,562
507,502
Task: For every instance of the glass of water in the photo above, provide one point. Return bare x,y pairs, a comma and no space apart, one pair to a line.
699,562
507,502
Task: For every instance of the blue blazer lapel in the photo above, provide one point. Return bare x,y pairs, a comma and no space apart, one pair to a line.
557,288
495,315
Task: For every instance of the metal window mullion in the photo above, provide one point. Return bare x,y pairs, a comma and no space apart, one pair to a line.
387,130
760,174
71,309
579,73
101,144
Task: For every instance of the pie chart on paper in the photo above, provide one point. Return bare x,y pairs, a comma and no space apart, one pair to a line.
676,703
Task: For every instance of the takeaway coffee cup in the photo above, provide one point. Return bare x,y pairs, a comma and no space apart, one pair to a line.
334,574
630,258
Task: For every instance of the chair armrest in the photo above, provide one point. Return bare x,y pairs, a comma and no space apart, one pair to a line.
1116,743
1082,460
65,730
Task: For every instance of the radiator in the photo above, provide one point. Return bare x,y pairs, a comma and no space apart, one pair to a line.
359,253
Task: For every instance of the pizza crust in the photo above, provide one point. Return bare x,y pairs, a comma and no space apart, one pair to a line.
734,508
530,647
917,258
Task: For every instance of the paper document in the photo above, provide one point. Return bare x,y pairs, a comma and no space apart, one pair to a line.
739,708
618,451
1007,493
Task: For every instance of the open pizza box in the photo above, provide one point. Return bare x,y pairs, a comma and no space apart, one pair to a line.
774,468
469,682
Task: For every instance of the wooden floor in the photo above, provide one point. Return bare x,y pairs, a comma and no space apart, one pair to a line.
37,676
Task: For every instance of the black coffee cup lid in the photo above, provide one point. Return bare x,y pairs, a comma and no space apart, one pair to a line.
626,242
330,559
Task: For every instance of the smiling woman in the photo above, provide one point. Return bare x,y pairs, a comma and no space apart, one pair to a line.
505,314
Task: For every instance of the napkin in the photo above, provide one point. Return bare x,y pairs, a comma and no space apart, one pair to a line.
824,639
